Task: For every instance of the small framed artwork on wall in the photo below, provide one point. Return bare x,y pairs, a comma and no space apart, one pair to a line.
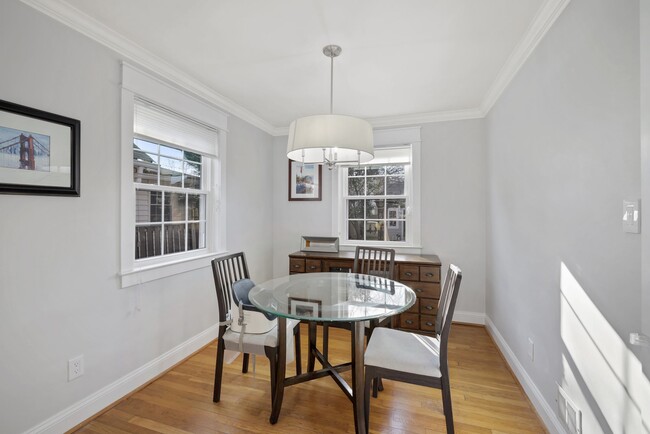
39,152
305,181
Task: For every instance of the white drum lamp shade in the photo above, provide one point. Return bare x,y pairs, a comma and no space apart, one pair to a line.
330,138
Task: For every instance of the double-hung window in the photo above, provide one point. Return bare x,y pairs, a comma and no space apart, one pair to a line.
378,202
170,199
173,181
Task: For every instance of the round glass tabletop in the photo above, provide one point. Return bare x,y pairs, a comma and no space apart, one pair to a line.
332,297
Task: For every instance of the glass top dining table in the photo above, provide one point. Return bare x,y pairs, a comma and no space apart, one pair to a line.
330,298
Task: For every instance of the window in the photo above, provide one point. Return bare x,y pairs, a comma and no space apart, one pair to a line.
378,203
170,201
173,182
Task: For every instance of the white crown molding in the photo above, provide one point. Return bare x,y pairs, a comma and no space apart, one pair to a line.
88,26
77,20
541,24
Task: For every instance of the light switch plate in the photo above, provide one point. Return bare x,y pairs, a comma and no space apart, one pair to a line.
631,216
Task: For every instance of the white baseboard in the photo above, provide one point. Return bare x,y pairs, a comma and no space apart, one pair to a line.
545,411
93,404
469,317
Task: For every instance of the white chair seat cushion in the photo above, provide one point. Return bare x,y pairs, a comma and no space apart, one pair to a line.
254,343
404,352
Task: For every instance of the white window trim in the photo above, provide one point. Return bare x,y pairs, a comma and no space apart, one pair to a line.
385,139
136,82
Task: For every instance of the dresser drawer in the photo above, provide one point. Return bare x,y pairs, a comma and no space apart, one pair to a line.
424,289
428,306
416,307
430,274
296,265
409,272
312,265
428,323
409,321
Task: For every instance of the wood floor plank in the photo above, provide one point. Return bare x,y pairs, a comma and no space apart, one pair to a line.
486,398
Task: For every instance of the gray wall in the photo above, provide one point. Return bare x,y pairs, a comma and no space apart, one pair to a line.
563,153
453,207
59,289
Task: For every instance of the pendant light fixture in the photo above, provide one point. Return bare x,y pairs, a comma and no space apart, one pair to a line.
330,139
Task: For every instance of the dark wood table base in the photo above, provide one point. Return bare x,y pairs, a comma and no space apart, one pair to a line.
354,393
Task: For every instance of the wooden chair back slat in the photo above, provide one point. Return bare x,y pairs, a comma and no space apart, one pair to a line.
226,271
374,260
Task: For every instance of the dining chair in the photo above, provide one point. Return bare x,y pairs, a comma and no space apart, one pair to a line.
414,358
375,261
232,282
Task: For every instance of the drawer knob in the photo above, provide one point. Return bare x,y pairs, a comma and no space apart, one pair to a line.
418,289
429,274
408,321
296,266
408,273
313,267
429,307
429,323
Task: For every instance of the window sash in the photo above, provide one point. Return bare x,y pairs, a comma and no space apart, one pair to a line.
407,197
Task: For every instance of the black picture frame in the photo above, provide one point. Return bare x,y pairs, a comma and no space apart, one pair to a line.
39,152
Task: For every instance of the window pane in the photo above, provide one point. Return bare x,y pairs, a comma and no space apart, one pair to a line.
192,175
145,166
355,209
394,170
192,156
395,185
396,230
147,241
355,230
375,170
174,207
375,186
171,172
148,206
196,236
174,238
171,152
375,208
375,230
356,171
145,146
356,186
396,208
196,207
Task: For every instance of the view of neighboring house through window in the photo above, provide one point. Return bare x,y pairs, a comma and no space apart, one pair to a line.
376,198
170,200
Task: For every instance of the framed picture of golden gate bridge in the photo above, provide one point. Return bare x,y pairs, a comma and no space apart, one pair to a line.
39,152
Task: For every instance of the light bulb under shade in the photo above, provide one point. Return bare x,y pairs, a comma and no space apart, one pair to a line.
352,138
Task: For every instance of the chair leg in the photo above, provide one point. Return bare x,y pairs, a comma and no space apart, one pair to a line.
326,340
446,404
218,371
244,365
296,339
272,355
366,402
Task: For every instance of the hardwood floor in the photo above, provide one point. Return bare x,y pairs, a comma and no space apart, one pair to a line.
486,398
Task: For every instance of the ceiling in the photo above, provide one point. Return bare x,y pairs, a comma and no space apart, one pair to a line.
401,61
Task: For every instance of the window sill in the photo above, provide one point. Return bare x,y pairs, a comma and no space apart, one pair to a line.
159,271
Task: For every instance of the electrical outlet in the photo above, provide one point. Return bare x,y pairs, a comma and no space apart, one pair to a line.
569,413
531,349
75,367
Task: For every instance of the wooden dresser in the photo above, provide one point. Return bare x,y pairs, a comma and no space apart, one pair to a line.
421,273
